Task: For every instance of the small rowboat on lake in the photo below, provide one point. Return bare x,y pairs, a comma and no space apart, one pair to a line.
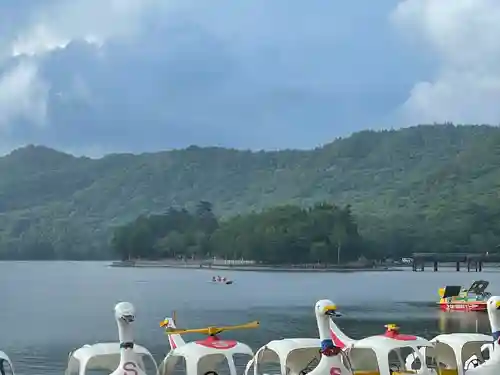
221,280
457,298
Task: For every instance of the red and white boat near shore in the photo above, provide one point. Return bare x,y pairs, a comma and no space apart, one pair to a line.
457,298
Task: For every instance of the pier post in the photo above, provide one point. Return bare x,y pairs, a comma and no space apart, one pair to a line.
422,267
468,265
480,265
435,266
458,266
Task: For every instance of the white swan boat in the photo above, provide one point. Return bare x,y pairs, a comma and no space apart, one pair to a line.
492,365
339,354
385,354
6,366
300,356
457,352
123,357
405,353
463,353
450,354
209,356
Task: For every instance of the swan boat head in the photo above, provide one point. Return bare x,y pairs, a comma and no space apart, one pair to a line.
333,360
129,359
494,316
125,312
327,308
324,310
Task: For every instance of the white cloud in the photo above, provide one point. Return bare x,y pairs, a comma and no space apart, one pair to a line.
39,40
94,21
23,94
463,35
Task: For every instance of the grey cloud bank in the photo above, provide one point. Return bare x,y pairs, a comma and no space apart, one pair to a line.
94,76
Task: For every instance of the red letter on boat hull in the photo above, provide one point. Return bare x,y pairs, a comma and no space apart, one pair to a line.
130,368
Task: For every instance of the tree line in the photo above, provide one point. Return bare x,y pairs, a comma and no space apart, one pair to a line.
286,234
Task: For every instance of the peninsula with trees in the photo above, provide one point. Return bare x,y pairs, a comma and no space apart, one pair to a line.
323,234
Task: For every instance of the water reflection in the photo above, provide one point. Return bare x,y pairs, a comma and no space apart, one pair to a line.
452,322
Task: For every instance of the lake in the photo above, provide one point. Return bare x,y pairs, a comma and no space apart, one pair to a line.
51,308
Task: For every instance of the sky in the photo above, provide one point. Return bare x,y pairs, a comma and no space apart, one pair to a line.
98,76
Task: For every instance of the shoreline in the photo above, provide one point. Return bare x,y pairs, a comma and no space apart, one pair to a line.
249,268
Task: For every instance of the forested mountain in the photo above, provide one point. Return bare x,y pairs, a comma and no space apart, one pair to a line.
416,189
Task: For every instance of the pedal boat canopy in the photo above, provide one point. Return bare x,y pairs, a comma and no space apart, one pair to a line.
103,357
294,356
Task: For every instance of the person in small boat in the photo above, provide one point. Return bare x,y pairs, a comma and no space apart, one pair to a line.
224,279
214,279
218,278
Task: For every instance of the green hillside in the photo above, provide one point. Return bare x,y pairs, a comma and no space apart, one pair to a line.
418,189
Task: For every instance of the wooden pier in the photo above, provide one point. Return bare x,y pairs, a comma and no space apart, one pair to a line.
473,262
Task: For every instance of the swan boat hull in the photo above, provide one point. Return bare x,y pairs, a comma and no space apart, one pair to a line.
473,306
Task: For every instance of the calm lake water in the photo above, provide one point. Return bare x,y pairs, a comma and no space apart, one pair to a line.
51,308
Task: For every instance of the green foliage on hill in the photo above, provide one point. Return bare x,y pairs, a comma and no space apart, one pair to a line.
427,188
285,234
